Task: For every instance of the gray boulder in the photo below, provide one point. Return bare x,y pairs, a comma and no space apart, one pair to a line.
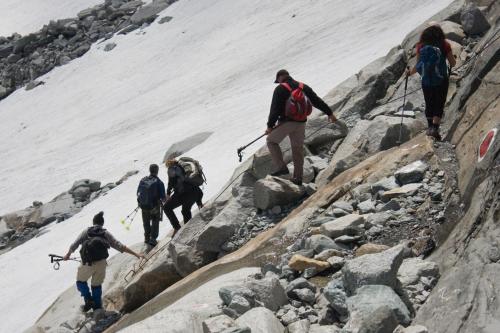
227,294
345,206
316,328
337,298
368,301
345,225
367,206
413,269
318,164
453,31
319,133
473,20
300,326
274,191
261,320
403,191
385,184
366,139
218,324
298,284
411,173
319,243
381,320
378,268
268,291
411,329
149,13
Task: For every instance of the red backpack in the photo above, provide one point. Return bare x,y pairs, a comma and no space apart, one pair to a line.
298,106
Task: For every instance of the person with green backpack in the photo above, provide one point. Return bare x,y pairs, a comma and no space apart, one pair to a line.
185,176
95,242
432,53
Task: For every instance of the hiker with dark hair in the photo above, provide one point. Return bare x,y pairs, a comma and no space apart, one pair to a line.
432,52
95,242
150,197
291,104
182,190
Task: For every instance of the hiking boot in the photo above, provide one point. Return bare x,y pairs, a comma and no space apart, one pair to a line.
153,242
281,172
297,181
89,304
435,134
429,131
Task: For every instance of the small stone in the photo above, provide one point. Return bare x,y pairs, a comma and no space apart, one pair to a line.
391,205
405,190
412,173
305,295
290,317
326,254
370,248
108,47
276,210
165,19
366,207
336,263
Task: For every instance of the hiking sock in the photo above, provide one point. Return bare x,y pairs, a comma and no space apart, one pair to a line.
83,288
96,297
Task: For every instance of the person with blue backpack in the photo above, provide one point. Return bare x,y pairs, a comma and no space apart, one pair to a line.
432,53
151,197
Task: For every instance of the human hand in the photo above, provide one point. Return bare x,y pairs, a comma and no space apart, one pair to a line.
268,130
66,257
332,118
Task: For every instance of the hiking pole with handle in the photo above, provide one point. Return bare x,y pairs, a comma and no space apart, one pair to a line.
130,217
240,150
403,107
56,260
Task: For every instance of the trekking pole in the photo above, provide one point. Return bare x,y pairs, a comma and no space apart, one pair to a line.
240,150
130,217
56,260
403,108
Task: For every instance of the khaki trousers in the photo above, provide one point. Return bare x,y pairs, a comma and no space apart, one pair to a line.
96,271
296,132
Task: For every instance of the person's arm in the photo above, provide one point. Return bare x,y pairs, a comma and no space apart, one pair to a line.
170,186
75,245
120,247
132,252
161,188
451,59
319,104
277,107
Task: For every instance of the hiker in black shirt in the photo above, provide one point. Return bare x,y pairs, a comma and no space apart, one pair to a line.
184,194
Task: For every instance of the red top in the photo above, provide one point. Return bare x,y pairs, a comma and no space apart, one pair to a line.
446,47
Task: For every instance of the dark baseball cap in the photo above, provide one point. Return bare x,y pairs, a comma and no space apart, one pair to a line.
281,72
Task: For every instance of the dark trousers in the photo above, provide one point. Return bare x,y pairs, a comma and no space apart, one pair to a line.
186,200
435,99
151,220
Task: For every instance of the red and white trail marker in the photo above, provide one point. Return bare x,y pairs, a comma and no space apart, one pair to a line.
486,143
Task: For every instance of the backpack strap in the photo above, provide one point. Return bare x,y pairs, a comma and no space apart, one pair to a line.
301,86
287,86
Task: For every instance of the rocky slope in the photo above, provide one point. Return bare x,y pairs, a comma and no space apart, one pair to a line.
387,237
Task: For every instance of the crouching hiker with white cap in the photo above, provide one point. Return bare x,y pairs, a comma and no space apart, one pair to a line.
95,242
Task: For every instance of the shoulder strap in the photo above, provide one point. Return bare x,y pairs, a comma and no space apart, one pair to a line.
301,85
287,86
